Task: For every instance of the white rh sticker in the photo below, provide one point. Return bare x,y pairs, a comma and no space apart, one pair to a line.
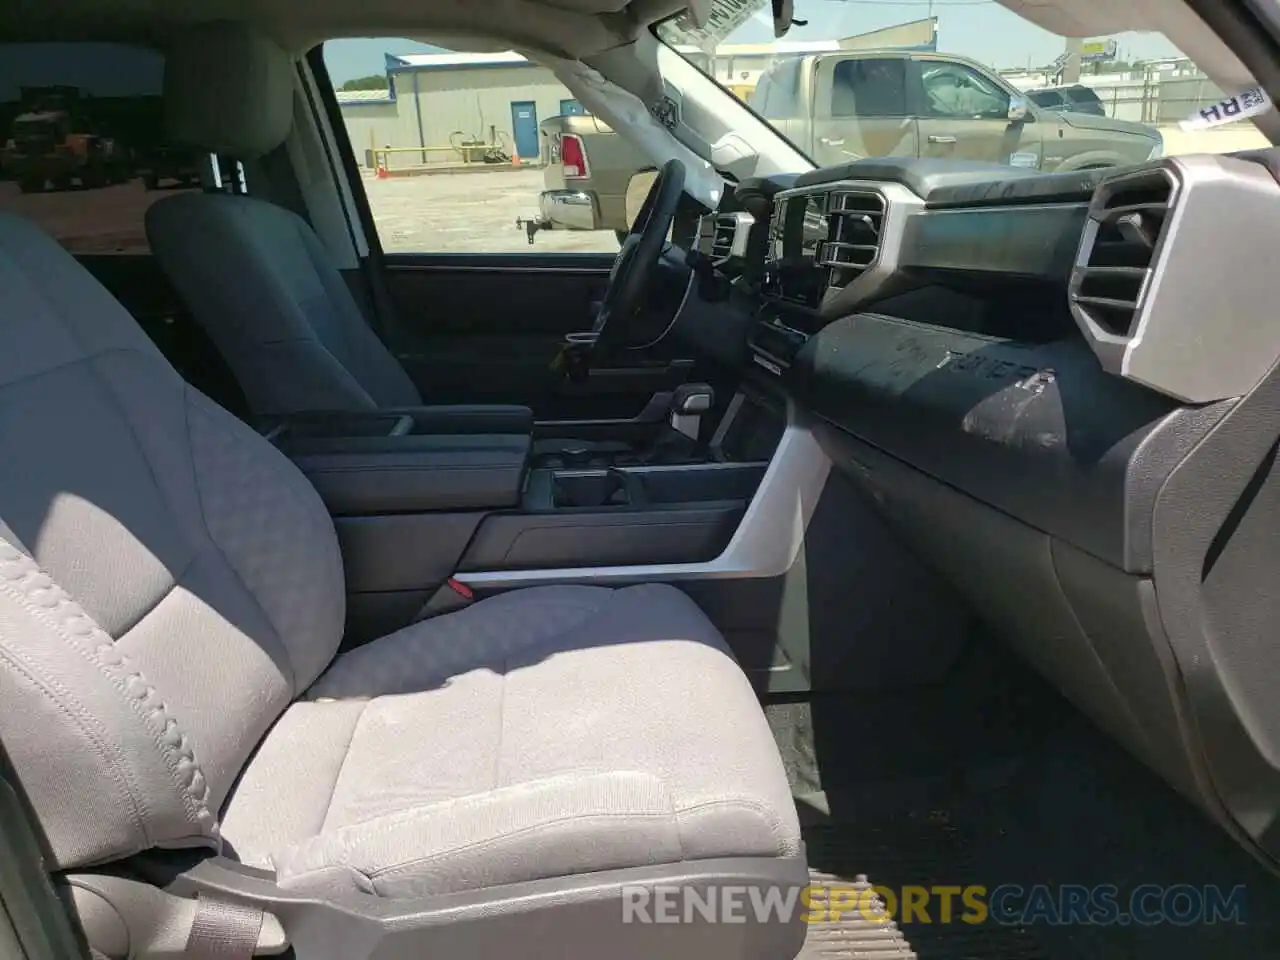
1024,160
1246,104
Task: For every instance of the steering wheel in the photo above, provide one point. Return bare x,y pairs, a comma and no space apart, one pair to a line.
633,269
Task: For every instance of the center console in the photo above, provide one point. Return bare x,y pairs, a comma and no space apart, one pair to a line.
413,508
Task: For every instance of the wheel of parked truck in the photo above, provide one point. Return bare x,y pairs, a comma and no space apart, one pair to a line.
633,271
150,181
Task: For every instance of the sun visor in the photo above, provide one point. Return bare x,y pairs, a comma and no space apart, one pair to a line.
1080,18
632,120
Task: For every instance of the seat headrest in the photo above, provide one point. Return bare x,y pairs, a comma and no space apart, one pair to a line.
228,90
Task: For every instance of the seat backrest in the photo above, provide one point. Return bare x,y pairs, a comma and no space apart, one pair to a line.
258,280
169,582
255,275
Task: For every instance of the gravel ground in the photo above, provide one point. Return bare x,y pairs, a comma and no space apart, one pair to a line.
470,212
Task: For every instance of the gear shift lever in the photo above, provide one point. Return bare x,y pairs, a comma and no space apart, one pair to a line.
689,402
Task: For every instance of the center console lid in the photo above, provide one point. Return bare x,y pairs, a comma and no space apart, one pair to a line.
385,473
396,421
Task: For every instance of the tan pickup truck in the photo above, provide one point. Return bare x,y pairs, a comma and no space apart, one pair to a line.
586,169
844,106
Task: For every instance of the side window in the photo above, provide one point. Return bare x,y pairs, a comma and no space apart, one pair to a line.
1049,99
82,153
869,88
955,91
460,151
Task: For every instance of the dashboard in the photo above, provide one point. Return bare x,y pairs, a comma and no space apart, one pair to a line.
1062,391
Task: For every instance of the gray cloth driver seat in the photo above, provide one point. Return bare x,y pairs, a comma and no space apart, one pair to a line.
254,275
171,607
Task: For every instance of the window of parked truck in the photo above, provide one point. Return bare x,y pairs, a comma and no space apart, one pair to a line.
463,152
869,88
964,81
954,90
1049,99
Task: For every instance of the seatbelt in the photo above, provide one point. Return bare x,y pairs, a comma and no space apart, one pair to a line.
130,917
223,930
385,320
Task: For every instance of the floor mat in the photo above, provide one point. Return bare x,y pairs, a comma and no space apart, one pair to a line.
899,849
994,780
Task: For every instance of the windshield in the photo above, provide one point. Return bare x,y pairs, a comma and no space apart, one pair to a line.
970,81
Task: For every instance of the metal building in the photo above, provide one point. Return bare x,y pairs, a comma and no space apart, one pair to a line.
454,106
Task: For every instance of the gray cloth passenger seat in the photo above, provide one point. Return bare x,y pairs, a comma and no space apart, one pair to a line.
171,604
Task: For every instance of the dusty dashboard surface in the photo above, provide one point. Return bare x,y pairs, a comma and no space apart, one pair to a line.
1060,390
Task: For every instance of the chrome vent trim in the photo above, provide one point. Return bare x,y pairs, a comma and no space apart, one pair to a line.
857,220
1118,251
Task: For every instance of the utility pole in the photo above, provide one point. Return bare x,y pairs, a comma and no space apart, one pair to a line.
1071,67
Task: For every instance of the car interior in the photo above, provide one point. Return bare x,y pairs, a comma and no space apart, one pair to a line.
890,523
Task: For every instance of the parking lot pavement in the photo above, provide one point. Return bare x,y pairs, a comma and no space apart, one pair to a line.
470,213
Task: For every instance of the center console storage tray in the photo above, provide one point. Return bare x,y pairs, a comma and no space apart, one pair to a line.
624,517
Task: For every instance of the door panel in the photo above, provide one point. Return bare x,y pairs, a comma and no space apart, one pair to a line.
487,329
964,115
994,141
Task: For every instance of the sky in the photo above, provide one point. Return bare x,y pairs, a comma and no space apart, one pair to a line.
981,29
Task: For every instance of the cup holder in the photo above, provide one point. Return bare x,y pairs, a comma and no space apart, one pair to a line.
597,488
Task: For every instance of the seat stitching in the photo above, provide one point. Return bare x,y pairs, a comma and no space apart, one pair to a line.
342,765
62,700
173,586
96,644
87,358
522,832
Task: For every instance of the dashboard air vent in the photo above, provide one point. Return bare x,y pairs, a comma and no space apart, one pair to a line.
722,236
856,229
726,231
1113,268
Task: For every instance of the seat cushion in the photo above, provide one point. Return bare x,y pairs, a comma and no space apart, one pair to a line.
541,733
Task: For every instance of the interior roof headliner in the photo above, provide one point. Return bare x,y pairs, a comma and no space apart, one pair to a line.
574,28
